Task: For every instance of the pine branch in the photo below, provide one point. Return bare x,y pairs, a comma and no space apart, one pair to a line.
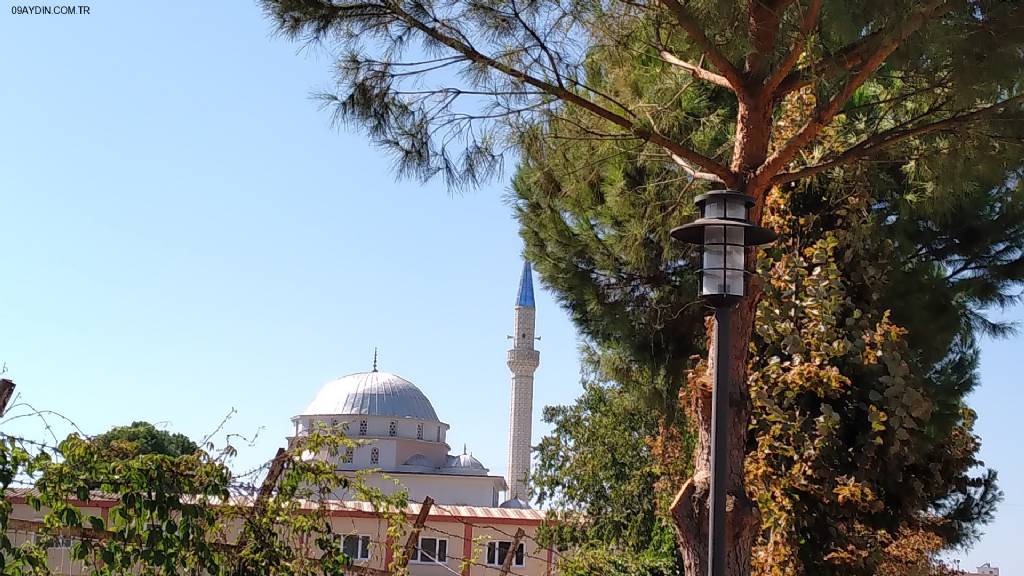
683,152
846,59
763,19
824,115
697,71
889,137
694,30
807,25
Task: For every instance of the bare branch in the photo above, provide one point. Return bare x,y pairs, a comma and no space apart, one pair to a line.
763,18
692,172
697,71
725,67
807,25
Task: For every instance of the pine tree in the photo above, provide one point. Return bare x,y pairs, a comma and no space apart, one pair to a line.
861,440
751,95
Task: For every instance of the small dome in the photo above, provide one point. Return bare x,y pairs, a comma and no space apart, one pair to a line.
515,503
465,462
420,460
372,394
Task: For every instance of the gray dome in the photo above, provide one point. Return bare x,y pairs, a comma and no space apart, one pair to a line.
515,503
465,462
420,460
372,394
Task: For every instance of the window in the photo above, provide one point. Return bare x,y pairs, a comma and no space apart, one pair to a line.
356,547
393,429
374,456
349,453
432,550
334,422
419,431
62,542
362,427
438,433
497,551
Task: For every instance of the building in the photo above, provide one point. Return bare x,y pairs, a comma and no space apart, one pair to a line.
401,435
475,515
985,569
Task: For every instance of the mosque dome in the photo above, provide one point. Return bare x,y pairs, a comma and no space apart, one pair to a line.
515,503
420,460
372,394
464,464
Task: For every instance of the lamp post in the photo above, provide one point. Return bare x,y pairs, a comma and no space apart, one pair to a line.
723,231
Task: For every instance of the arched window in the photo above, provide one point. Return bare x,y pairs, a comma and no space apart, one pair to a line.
438,433
419,431
362,427
349,453
393,429
374,456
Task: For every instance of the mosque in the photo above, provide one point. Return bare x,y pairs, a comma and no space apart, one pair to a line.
402,437
478,525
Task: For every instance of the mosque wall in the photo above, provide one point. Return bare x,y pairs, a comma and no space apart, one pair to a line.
448,489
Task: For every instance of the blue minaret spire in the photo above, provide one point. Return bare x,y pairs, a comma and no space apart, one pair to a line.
525,296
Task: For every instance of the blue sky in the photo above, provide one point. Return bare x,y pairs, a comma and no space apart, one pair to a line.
183,233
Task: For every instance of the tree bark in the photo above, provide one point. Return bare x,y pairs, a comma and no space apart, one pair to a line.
690,507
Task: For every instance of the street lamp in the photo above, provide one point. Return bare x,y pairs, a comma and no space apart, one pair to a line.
724,232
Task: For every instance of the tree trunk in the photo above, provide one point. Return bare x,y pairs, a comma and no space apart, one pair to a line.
690,507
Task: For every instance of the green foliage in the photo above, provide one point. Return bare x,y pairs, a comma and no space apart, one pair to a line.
621,111
862,431
180,514
864,353
658,559
448,86
597,469
144,438
598,235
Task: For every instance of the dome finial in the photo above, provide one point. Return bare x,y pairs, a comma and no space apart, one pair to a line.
463,449
374,358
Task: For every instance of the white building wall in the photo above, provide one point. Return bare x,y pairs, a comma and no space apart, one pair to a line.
444,489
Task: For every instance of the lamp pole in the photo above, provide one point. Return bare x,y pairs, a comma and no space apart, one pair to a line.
723,231
719,444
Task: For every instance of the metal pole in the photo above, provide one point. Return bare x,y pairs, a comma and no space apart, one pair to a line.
719,444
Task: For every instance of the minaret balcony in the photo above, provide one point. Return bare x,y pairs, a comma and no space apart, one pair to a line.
519,358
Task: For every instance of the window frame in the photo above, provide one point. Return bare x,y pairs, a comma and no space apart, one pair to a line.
374,455
417,553
363,427
363,545
495,545
419,431
61,543
393,429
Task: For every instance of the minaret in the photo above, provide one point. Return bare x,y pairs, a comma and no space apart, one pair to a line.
523,360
